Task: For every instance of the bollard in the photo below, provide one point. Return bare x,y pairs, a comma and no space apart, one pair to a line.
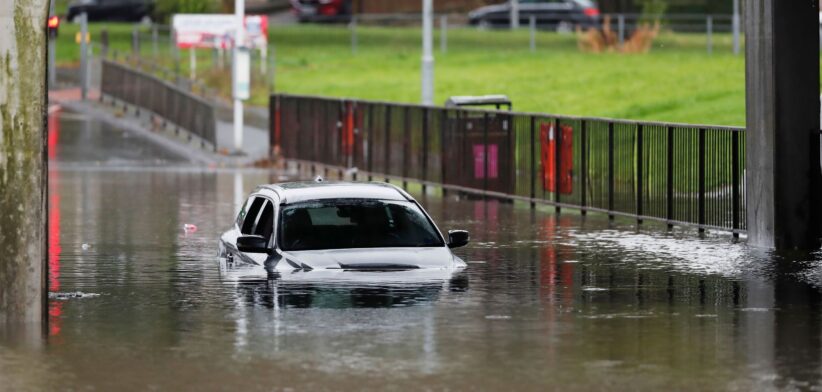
533,28
353,27
443,33
709,22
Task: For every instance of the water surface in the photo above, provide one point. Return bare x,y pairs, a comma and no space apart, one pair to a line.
547,301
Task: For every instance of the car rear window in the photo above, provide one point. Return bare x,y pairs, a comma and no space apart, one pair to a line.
343,224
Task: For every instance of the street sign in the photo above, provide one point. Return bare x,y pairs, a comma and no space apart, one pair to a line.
242,74
217,30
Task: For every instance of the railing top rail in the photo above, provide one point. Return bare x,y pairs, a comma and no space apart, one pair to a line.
168,84
532,114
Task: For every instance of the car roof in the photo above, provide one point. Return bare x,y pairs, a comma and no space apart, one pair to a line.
296,192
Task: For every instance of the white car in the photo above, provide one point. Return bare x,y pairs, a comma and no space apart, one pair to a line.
340,226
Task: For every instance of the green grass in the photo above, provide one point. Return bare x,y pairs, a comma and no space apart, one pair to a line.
677,81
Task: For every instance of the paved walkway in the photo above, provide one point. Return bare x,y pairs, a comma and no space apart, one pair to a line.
255,140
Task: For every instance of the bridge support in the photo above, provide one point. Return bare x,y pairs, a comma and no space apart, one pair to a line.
782,93
23,168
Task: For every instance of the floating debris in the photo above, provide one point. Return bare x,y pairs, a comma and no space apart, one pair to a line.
189,228
85,246
72,295
497,317
594,289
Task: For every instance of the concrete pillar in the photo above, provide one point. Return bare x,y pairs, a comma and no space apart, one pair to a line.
782,92
23,249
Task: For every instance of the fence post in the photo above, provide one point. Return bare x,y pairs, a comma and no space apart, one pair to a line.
443,123
425,116
610,170
533,143
701,181
444,33
532,27
621,29
370,149
353,27
154,37
584,160
736,27
669,184
735,181
135,42
640,167
386,151
709,25
406,146
557,163
486,121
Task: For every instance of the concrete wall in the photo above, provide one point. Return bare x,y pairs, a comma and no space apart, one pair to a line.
23,248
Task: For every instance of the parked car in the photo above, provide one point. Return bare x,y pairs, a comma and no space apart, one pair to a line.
338,226
561,15
322,10
111,10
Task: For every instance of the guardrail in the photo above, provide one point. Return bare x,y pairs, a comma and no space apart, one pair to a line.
177,106
674,173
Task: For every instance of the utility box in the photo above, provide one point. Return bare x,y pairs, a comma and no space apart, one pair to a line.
479,145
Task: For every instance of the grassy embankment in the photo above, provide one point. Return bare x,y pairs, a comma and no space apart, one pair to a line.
677,81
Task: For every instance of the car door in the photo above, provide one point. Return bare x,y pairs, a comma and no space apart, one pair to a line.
549,13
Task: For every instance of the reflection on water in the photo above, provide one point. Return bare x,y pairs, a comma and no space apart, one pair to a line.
546,302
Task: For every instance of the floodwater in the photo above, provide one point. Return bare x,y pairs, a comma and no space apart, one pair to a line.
547,302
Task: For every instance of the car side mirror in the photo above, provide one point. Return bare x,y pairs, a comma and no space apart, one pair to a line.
458,238
253,244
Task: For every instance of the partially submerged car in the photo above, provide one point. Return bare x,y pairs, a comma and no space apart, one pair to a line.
338,226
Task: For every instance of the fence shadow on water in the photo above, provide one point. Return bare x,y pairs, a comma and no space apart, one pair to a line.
674,173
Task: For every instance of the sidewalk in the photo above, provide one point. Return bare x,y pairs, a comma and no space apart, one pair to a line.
255,140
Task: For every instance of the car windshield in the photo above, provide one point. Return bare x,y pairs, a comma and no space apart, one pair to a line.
341,224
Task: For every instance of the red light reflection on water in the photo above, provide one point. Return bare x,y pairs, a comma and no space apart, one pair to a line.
55,308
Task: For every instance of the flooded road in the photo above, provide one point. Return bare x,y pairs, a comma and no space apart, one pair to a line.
548,302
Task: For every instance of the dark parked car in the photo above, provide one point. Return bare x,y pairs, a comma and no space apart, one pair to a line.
338,226
322,10
114,10
561,15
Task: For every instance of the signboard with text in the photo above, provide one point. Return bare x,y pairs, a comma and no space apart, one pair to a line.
217,31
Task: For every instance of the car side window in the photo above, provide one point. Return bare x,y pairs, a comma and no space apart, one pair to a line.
265,223
251,216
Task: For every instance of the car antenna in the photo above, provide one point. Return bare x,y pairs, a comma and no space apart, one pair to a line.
319,179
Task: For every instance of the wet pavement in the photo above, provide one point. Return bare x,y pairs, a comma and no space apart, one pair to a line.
548,302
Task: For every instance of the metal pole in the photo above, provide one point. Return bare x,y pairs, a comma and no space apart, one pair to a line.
192,63
736,27
52,55
427,52
354,41
532,23
239,40
444,33
83,56
154,37
710,27
621,29
514,14
273,64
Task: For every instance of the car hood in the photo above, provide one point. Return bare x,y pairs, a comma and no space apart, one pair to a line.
374,259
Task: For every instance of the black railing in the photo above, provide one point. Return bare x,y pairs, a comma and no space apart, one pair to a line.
674,173
179,107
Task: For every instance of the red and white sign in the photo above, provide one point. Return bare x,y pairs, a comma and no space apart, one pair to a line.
217,30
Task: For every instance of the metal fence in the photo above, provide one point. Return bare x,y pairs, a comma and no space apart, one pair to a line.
179,107
674,173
